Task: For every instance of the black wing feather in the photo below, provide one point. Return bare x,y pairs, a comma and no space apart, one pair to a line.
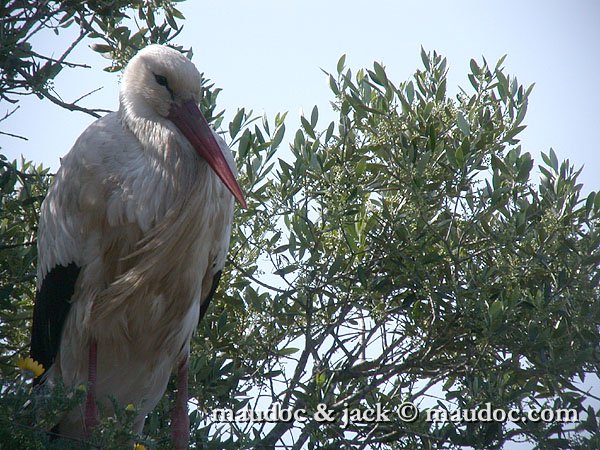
211,294
52,304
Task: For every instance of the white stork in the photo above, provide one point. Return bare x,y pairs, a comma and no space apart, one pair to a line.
133,236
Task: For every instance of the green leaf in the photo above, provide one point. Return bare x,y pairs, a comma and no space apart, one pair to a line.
333,85
329,131
503,85
474,67
425,59
410,92
278,137
474,81
101,48
521,113
307,127
496,310
265,124
525,168
314,117
177,14
299,140
243,145
441,91
459,156
286,270
362,276
320,379
287,351
380,72
170,20
510,135
236,123
462,123
340,64
500,62
589,203
553,160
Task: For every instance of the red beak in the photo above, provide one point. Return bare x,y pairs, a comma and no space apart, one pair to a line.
190,121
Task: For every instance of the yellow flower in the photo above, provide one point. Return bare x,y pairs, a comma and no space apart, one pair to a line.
138,446
31,366
130,407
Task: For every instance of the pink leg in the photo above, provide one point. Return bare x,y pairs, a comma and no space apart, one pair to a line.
91,409
180,421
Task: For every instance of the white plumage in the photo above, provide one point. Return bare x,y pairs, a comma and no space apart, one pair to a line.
141,211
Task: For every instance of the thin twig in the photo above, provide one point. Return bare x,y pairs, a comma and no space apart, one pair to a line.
20,244
14,135
9,113
60,61
88,94
256,280
32,19
83,32
59,102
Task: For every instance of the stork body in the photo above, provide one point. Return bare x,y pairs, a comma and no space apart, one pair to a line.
132,238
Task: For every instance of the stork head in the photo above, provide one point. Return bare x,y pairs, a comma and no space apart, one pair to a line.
160,83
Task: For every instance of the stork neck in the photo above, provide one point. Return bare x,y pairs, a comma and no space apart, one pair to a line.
159,140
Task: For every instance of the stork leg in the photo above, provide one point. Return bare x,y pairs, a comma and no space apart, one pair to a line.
91,409
180,421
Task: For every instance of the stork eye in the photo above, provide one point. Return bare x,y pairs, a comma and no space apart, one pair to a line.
161,80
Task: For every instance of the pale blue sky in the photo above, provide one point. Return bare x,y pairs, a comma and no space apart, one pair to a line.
267,55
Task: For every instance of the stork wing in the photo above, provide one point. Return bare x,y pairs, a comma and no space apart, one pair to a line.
211,294
71,220
52,305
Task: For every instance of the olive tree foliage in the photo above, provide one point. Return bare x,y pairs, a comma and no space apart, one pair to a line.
416,261
403,253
